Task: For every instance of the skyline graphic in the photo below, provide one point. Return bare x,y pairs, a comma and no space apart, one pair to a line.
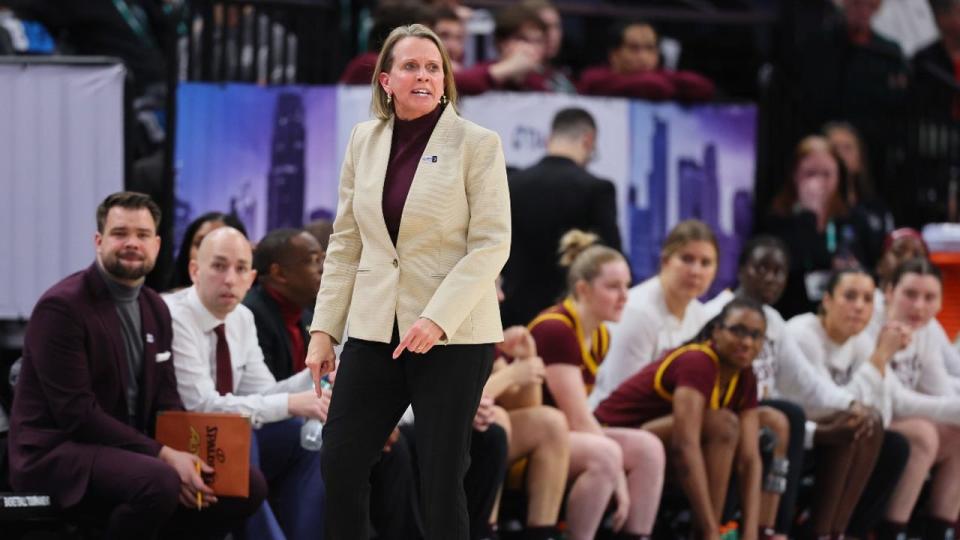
267,154
285,182
272,155
679,175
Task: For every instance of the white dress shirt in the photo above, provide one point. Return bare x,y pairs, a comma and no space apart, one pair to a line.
256,393
646,330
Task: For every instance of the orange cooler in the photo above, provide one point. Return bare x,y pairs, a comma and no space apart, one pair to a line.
949,317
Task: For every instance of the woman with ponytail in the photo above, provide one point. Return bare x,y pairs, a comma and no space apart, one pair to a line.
572,339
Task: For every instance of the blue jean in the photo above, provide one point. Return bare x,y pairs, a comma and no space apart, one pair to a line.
295,507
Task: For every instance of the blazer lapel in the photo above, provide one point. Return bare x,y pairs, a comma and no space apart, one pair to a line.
151,340
437,146
380,150
106,312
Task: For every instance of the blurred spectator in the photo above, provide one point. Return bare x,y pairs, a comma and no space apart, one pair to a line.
461,10
936,68
190,242
521,38
811,217
848,71
288,263
560,75
19,36
132,30
388,16
451,30
868,212
908,22
635,69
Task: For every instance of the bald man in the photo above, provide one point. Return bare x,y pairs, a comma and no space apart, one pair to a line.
220,368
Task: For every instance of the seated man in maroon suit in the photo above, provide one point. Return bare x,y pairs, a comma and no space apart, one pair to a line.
97,369
635,70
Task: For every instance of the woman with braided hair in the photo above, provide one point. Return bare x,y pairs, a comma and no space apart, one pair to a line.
700,399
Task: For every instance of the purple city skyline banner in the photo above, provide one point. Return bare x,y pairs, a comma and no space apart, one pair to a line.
272,155
263,153
690,162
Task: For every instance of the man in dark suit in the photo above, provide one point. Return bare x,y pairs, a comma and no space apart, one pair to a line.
547,200
97,368
288,264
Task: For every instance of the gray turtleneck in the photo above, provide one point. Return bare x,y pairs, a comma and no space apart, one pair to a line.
128,309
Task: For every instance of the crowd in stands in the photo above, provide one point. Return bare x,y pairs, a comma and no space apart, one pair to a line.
527,39
818,397
608,403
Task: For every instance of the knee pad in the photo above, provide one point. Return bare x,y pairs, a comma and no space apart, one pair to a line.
776,479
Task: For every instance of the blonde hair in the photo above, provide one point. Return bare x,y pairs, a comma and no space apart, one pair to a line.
584,257
379,105
691,230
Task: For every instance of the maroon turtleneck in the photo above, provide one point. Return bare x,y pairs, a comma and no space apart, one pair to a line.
409,140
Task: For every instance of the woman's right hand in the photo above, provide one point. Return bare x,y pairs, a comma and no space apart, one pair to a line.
526,371
320,358
893,337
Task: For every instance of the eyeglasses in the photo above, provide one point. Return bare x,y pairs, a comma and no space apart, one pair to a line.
742,331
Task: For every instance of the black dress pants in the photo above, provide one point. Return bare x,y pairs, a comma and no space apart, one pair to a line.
393,500
371,393
488,466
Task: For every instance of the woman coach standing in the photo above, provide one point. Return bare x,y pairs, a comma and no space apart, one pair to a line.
419,291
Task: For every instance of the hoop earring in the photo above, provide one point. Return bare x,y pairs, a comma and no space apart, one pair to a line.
389,98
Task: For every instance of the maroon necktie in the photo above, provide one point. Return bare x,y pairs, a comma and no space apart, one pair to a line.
224,369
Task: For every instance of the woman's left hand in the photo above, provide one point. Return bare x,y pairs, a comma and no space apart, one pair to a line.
420,338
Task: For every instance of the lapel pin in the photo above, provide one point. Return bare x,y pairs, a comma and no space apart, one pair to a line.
149,337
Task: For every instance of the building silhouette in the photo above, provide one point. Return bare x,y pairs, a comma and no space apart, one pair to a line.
698,197
285,181
648,225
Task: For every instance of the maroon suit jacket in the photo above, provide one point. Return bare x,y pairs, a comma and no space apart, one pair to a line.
70,399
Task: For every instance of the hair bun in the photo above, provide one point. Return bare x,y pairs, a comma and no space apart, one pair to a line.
573,243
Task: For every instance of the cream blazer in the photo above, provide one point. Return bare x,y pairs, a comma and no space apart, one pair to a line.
454,238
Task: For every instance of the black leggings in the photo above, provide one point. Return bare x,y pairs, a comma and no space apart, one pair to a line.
371,393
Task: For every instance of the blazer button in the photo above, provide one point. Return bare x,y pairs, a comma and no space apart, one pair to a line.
395,263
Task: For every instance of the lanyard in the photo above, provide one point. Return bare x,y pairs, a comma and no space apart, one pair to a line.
831,237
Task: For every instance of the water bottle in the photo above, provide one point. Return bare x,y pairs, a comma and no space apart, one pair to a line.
311,434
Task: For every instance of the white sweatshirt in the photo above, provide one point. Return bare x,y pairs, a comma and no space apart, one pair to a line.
848,364
646,330
933,334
